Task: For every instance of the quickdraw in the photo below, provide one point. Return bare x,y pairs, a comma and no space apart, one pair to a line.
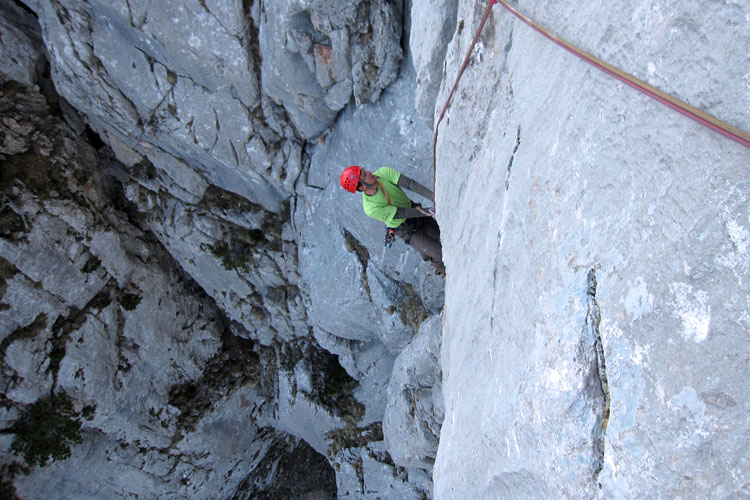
390,236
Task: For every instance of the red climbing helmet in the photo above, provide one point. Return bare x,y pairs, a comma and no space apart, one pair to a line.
350,178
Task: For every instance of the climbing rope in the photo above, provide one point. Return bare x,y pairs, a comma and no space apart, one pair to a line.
453,90
703,118
691,112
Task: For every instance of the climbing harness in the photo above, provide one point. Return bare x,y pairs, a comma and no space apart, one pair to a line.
691,112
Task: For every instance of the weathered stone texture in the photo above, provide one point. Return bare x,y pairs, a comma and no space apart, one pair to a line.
551,173
191,218
94,306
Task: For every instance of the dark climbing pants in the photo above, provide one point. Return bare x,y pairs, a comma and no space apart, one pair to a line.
423,235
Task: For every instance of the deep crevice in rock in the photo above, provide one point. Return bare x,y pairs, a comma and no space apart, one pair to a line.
291,470
25,7
513,157
236,364
354,245
334,386
593,319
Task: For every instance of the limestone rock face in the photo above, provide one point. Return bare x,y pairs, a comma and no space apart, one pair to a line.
414,413
231,89
178,80
94,307
197,221
433,24
591,345
22,49
178,258
318,54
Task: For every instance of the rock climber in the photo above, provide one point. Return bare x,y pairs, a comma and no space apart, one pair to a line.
384,199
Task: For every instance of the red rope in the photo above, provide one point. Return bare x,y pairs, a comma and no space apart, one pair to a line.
699,116
453,90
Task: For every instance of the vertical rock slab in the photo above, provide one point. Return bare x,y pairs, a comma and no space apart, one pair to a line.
317,55
433,24
551,174
21,47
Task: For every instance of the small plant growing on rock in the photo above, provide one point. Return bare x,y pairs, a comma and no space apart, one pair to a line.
46,430
91,265
129,301
255,236
56,355
88,412
231,258
220,250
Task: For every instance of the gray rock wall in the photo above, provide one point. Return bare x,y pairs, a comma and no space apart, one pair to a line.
414,412
228,89
317,55
596,245
205,166
433,25
593,344
93,307
169,79
22,50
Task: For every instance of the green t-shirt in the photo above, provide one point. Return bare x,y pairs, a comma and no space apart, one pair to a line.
377,207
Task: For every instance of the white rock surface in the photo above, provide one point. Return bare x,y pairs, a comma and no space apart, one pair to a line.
596,242
414,412
549,173
433,24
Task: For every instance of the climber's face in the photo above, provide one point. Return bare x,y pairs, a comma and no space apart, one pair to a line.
366,179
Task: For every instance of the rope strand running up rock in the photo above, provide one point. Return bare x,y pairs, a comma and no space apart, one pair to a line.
691,112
